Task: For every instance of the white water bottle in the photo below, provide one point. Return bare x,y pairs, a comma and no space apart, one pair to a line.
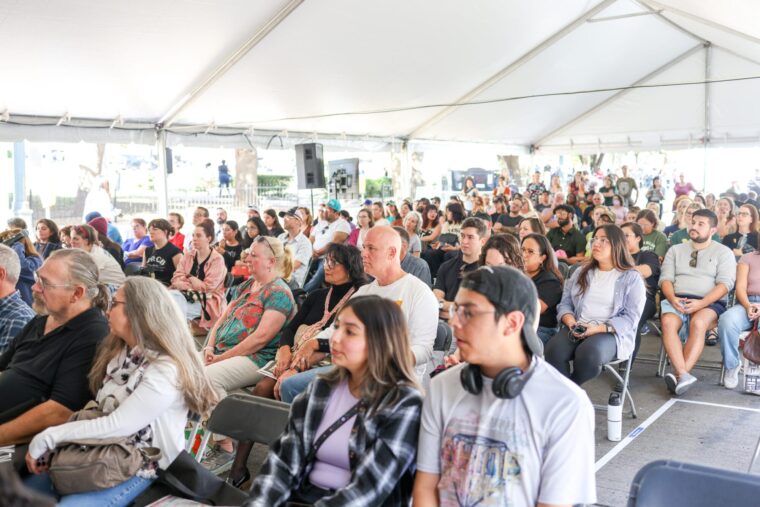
614,417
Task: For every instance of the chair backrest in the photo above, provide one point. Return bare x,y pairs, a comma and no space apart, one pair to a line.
443,337
564,269
572,269
244,417
666,483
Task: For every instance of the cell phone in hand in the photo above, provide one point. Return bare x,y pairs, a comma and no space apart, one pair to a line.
579,329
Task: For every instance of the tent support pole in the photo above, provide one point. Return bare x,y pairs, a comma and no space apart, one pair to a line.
708,22
706,138
668,21
257,37
618,94
512,67
161,181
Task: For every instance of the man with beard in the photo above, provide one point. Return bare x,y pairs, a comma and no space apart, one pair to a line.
696,277
567,237
221,218
44,370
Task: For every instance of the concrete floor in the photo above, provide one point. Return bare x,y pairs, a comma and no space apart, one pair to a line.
709,425
692,428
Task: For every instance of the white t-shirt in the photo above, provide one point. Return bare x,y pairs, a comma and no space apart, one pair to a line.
420,308
325,232
598,303
538,447
302,249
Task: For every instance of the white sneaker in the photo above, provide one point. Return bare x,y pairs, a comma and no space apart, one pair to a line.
731,377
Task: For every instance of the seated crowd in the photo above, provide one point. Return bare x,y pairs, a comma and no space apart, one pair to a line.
340,320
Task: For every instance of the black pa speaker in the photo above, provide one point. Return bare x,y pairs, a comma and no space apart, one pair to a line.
311,166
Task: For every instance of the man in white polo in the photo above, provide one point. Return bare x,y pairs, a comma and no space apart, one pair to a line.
293,219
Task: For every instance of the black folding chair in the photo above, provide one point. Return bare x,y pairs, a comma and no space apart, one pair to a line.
666,483
246,418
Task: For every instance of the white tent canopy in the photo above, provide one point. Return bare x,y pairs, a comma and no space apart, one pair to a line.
206,71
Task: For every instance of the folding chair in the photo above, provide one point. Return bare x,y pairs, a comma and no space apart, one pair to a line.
247,418
611,367
443,338
666,483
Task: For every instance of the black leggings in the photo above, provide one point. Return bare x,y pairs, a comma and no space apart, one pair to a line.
588,355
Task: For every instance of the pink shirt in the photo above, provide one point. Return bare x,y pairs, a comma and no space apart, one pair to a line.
753,278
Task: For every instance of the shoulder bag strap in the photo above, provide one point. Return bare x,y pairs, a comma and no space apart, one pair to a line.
332,429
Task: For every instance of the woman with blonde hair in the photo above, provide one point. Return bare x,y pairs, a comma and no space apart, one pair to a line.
352,435
86,238
30,260
247,335
146,377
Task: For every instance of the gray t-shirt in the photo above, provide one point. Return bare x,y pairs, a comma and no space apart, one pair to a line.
715,264
538,447
415,245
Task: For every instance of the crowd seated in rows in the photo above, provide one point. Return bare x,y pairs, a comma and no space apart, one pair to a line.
294,317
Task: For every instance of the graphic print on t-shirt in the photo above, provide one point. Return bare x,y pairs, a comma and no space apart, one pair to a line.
480,464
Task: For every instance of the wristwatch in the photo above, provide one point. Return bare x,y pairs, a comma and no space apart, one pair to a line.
440,304
609,329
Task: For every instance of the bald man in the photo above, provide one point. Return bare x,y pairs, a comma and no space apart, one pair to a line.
381,257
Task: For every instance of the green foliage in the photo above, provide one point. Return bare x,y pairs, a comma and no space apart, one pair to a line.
274,181
374,187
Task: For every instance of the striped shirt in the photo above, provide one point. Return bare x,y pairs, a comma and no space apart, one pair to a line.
14,315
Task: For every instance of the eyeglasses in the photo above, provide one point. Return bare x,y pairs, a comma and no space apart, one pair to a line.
44,285
331,263
464,314
743,214
113,302
528,252
263,239
693,261
600,241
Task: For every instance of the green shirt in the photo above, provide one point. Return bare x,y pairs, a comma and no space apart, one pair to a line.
573,243
656,242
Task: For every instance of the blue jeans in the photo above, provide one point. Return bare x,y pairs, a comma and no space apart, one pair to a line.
733,322
546,333
295,385
316,281
117,496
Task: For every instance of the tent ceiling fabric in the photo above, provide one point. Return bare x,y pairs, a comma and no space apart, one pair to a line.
136,60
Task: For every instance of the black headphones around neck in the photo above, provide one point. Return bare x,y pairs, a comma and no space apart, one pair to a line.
508,383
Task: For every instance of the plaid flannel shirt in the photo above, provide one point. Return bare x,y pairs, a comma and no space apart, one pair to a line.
14,315
382,452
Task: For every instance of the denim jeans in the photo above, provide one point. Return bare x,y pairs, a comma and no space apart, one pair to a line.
546,333
117,496
295,385
733,322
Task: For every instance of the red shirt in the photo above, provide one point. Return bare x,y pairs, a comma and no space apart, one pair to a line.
178,240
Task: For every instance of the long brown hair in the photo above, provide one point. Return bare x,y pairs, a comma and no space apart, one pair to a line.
621,259
158,326
389,353
29,249
754,225
545,249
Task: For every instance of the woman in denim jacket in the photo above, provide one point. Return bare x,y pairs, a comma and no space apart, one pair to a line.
596,328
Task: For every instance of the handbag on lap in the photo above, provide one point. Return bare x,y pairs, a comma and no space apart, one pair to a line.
751,352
